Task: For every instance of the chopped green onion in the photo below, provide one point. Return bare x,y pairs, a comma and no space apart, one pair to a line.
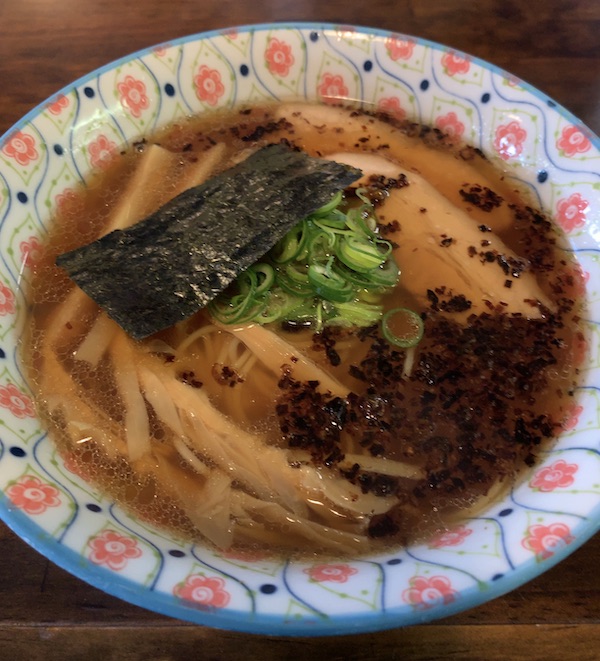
331,269
330,285
356,313
265,277
386,275
280,305
240,309
402,327
360,223
358,254
333,225
336,200
320,245
291,245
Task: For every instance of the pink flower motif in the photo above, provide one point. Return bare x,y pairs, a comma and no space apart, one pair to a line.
21,147
73,465
7,300
133,95
279,57
450,125
571,212
231,33
102,152
391,105
572,416
58,105
453,537
32,495
573,141
557,476
17,402
544,541
161,50
112,549
332,88
209,87
399,49
334,573
426,592
346,30
203,590
31,251
509,140
455,64
578,279
580,349
67,202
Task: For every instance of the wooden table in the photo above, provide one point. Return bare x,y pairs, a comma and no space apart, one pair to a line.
44,44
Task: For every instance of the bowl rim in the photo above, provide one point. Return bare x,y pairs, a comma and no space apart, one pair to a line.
271,624
300,25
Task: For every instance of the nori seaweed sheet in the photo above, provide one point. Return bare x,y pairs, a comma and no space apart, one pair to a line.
174,262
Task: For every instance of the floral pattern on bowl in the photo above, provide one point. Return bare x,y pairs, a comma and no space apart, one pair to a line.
48,502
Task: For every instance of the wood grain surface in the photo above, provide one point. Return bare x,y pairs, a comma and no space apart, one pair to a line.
45,613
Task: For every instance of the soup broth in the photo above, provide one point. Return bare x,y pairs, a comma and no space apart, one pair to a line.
330,439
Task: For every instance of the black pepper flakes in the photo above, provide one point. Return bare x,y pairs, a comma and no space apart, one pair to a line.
189,378
225,375
481,197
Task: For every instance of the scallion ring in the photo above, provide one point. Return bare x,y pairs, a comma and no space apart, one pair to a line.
359,254
402,327
330,285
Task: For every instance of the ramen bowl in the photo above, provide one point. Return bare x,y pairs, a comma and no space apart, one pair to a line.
553,509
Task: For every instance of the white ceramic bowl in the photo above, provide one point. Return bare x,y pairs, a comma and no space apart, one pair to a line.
55,146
